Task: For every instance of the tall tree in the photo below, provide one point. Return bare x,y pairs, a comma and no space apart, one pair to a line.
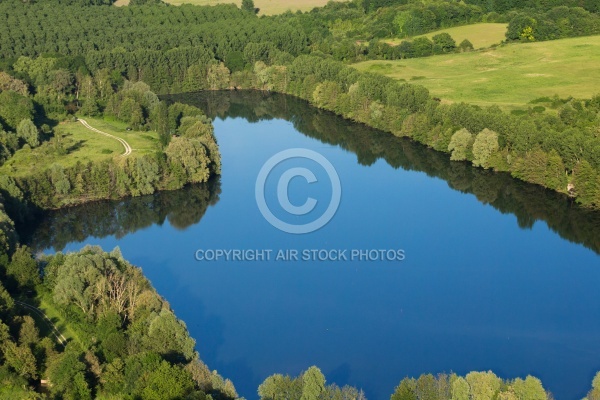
28,132
248,5
23,268
313,382
460,145
485,145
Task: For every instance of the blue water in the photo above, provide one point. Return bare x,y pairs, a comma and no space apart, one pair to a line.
474,292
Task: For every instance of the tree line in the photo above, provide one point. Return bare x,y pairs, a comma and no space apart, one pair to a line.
556,23
311,385
560,151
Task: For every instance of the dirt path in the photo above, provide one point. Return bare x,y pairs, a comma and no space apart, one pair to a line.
128,148
59,336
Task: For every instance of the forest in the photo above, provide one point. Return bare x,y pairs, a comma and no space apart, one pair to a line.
52,70
123,339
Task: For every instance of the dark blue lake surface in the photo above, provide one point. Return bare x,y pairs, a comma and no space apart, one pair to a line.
497,275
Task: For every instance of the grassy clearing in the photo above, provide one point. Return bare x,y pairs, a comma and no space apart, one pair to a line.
57,319
82,145
509,76
267,7
480,35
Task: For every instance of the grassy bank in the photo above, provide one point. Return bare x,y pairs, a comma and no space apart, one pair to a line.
509,76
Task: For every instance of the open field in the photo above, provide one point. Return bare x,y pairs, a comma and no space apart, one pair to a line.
82,145
480,35
509,76
267,7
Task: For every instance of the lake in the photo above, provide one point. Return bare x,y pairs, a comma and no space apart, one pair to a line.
495,274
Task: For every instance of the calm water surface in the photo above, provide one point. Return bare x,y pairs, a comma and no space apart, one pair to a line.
498,275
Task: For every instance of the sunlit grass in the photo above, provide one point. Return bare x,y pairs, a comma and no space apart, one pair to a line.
480,35
509,76
81,144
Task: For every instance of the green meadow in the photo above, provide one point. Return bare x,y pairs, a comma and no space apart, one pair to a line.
80,144
510,75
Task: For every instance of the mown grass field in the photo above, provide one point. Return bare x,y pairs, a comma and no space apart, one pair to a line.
267,7
509,76
480,35
82,145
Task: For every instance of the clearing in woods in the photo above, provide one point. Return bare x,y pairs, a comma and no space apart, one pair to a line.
76,143
480,35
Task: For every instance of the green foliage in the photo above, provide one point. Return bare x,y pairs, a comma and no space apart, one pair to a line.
234,61
443,43
484,146
313,384
168,336
530,388
555,23
8,236
272,387
309,385
594,393
27,131
15,387
248,5
9,83
460,389
14,108
476,385
167,382
406,390
29,334
189,159
483,385
426,387
128,341
67,374
20,359
465,45
460,145
585,180
23,269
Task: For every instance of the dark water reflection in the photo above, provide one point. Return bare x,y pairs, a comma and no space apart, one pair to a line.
181,208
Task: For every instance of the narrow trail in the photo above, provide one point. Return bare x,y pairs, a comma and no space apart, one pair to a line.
128,148
59,336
